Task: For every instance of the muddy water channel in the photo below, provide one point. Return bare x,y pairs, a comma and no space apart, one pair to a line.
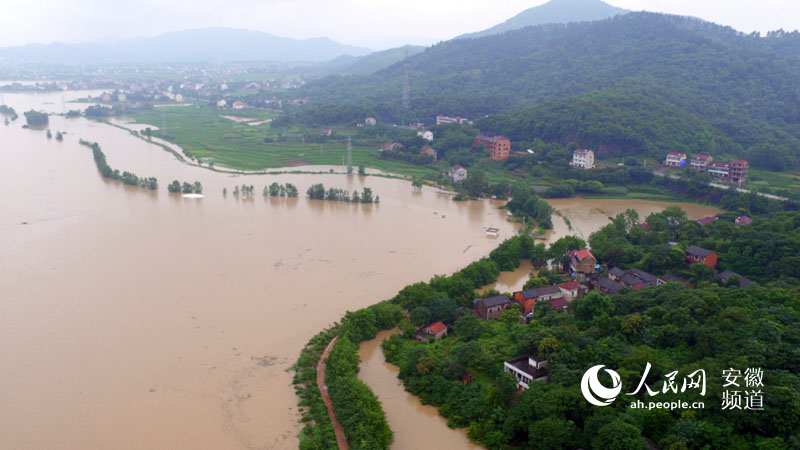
415,425
132,319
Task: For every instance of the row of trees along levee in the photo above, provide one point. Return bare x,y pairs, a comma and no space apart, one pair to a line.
114,174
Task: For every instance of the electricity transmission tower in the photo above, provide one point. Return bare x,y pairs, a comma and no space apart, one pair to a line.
349,156
406,96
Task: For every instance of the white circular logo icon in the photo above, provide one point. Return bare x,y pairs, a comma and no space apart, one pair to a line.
592,388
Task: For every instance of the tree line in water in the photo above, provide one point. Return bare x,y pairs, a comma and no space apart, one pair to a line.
318,192
126,177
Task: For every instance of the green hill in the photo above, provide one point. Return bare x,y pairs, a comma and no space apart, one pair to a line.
742,89
555,11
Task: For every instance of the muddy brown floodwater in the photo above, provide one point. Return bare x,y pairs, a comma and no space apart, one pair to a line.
415,425
132,319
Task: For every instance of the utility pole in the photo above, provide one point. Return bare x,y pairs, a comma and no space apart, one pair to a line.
349,156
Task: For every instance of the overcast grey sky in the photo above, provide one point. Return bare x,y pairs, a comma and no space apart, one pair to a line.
376,24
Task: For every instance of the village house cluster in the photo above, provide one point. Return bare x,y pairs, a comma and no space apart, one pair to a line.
587,275
734,172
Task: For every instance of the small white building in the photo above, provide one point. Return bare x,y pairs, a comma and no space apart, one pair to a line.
178,97
527,370
457,174
583,159
238,105
121,97
221,102
426,134
370,121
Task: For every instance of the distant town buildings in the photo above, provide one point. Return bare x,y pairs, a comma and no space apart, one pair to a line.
445,119
457,174
675,159
583,159
499,146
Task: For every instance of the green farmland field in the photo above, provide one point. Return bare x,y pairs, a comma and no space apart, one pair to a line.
203,133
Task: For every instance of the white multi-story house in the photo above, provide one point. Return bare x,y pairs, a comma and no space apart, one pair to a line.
457,174
527,370
583,158
700,161
675,159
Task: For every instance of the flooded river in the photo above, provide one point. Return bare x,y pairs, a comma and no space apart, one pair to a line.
132,319
415,425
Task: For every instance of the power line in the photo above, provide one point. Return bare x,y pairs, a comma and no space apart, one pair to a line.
406,96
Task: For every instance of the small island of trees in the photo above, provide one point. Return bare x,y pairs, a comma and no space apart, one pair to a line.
281,190
36,118
106,170
8,111
318,192
186,188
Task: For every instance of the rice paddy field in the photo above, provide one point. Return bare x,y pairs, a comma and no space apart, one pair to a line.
245,140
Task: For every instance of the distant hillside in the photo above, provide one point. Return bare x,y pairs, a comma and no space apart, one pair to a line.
742,89
365,65
201,45
555,11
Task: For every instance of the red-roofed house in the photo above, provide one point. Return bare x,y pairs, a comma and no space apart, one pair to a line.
707,220
430,151
700,161
582,262
432,332
743,220
457,174
573,289
529,297
695,254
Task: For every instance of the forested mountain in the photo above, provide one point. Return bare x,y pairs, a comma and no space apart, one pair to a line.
367,64
200,45
741,92
554,11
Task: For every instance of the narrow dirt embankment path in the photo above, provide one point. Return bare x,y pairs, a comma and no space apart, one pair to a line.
323,389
